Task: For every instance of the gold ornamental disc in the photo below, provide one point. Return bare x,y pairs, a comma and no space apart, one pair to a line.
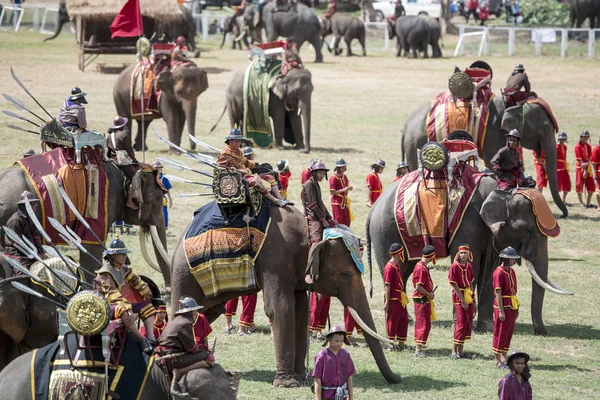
461,85
434,156
88,313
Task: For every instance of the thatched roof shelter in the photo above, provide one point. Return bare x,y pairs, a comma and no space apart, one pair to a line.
159,10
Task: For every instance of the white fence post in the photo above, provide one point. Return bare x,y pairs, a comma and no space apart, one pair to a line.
36,17
386,40
538,42
564,42
204,27
511,41
591,39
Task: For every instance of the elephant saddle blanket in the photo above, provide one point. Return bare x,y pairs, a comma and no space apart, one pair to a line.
86,186
142,87
448,114
545,220
53,377
430,212
546,106
257,126
351,241
221,253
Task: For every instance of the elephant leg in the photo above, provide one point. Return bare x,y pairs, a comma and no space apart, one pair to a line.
363,44
336,45
316,43
348,40
140,138
398,47
485,294
277,111
283,305
302,310
296,123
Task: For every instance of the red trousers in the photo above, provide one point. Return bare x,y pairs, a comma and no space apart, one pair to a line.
464,323
564,181
422,322
396,321
319,310
350,324
231,307
540,176
248,308
341,215
503,330
590,186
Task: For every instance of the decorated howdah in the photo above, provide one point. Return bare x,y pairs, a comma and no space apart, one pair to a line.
231,189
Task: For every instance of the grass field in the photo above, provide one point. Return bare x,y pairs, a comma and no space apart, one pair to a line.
359,108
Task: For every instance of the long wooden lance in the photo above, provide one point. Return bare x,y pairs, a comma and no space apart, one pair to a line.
16,265
16,78
187,153
26,247
201,143
79,217
40,228
21,106
32,292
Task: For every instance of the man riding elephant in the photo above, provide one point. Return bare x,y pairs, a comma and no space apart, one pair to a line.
290,57
178,55
72,114
20,223
517,81
233,158
317,215
331,9
121,151
507,164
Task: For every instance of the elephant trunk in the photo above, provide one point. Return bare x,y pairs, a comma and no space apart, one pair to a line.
63,17
549,149
540,264
189,108
306,116
374,344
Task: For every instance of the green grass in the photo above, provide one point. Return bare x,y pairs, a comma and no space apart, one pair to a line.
360,105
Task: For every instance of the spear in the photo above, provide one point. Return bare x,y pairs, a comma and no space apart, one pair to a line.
17,116
183,166
20,105
201,143
26,247
32,292
71,237
16,265
28,92
18,128
182,180
79,217
187,153
40,228
194,194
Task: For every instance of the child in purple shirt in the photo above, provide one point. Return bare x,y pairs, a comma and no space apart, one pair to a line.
334,368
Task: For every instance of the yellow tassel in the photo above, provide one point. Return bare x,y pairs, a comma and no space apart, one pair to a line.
514,302
348,203
566,166
432,315
468,293
403,299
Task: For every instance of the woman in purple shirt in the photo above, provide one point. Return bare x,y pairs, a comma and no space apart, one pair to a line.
515,385
334,368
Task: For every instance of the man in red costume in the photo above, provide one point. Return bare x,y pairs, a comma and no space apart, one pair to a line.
374,182
423,298
461,279
562,167
506,305
319,311
161,319
395,298
339,186
331,9
595,160
541,176
508,166
283,167
583,171
290,58
306,173
246,323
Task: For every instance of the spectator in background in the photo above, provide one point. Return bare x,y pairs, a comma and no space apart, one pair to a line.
472,9
508,10
167,185
484,12
516,12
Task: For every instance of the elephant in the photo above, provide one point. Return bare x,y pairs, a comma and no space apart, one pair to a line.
280,273
203,384
580,10
435,35
531,120
180,88
290,98
235,26
520,232
299,22
347,26
412,34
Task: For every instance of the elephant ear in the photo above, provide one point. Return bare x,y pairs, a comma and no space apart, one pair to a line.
164,82
279,87
513,119
494,211
314,259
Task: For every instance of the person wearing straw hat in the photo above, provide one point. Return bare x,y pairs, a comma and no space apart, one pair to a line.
460,277
72,114
395,298
402,170
339,186
583,170
515,385
334,368
506,305
232,157
423,298
374,182
283,167
22,225
161,319
595,160
177,347
562,167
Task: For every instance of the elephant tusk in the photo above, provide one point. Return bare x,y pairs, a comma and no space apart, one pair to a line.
240,37
159,245
299,111
554,285
144,250
365,327
541,282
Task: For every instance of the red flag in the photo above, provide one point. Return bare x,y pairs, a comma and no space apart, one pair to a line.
128,21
